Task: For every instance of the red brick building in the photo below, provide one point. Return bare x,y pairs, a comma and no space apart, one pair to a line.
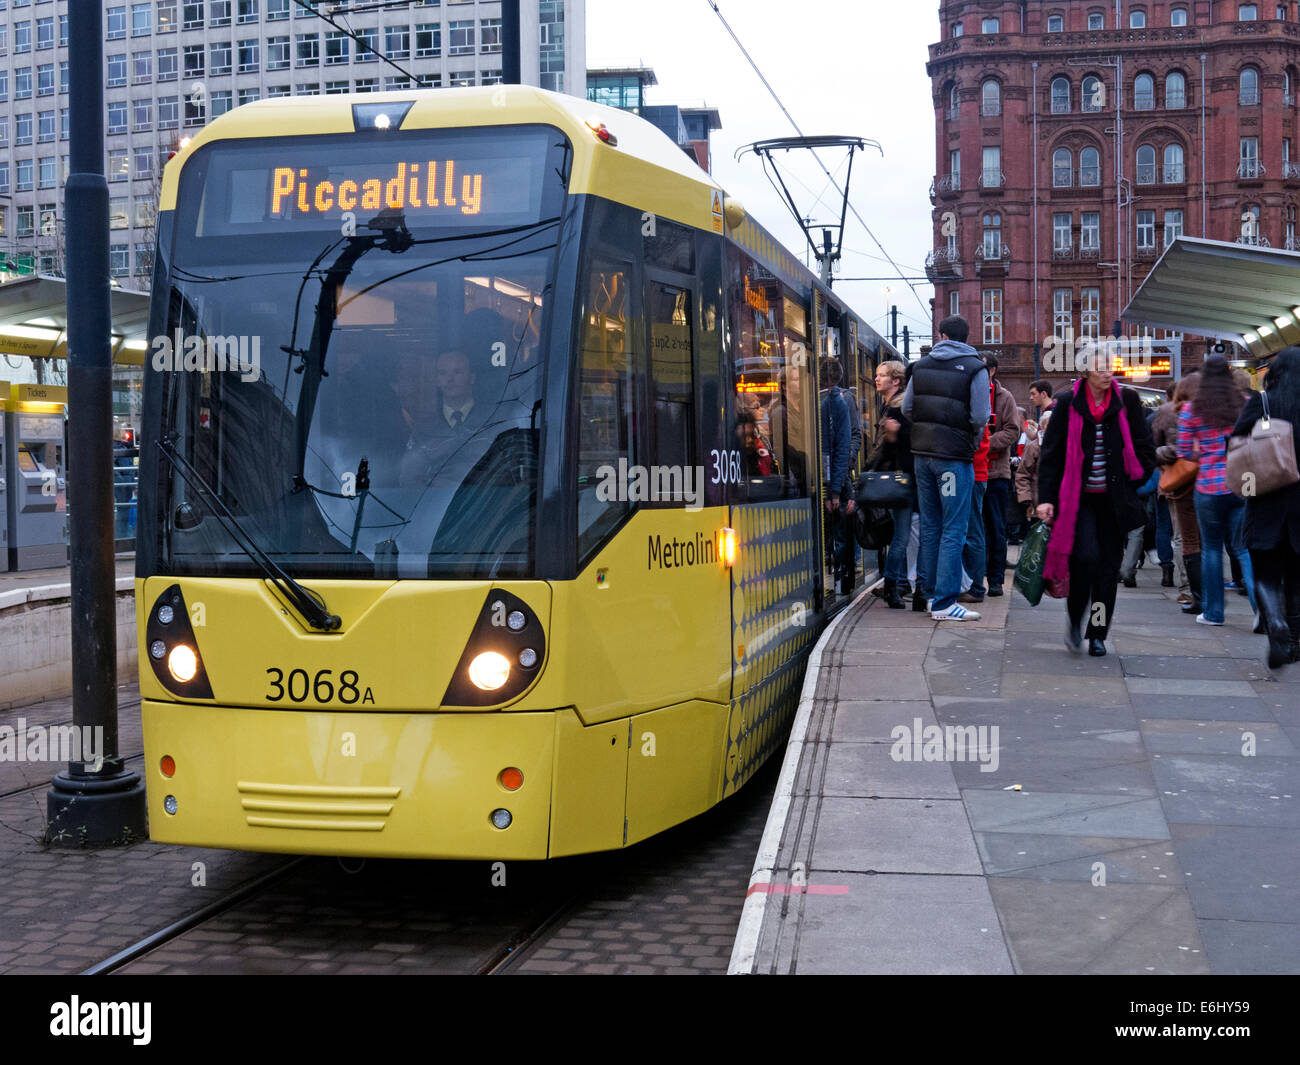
1037,231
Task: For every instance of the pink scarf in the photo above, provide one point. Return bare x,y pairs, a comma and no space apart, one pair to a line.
1056,572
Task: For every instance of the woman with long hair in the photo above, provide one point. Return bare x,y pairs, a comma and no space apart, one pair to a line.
1183,503
892,450
1204,426
1272,525
1096,454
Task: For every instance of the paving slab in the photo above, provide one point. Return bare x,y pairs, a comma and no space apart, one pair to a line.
894,836
863,722
1172,736
870,770
1191,668
1065,814
1241,873
1201,707
1079,858
1242,948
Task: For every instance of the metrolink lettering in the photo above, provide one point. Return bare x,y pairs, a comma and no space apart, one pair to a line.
668,554
102,1018
438,185
238,354
57,743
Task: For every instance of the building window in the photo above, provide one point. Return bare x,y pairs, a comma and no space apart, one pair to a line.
1094,94
142,68
219,58
116,117
1055,23
221,102
248,96
992,316
1096,20
989,25
1146,165
336,88
23,129
141,20
167,64
1062,313
1062,169
1060,96
1144,93
277,53
1247,12
142,159
1062,243
397,42
277,9
367,85
192,17
1146,230
1178,16
247,10
991,169
954,300
48,172
1173,174
169,112
219,13
45,79
1175,91
115,18
428,40
165,20
1250,231
460,79
990,99
1090,316
460,38
23,179
26,221
1250,166
248,56
367,39
22,83
308,50
1290,243
336,47
45,33
47,127
119,259
992,235
192,59
274,92
954,169
143,113
1173,226
1090,233
957,29
1137,20
1249,94
490,35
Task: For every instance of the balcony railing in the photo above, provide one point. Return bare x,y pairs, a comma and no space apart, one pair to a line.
942,264
1250,169
1062,177
1063,251
1248,97
1292,244
1173,174
1291,171
1146,174
1060,106
990,108
1146,251
1254,242
1090,251
1175,101
949,183
1144,101
992,260
992,179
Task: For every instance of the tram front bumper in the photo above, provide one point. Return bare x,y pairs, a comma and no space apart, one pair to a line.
363,784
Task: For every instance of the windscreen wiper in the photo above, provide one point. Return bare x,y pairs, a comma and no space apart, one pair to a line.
307,602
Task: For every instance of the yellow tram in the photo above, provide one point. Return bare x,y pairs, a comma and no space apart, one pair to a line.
479,480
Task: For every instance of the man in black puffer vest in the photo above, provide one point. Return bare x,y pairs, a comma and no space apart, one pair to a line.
947,400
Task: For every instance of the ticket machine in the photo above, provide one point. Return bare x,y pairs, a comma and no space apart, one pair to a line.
35,472
4,483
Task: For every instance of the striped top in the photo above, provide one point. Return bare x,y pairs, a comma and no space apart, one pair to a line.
1096,481
1209,445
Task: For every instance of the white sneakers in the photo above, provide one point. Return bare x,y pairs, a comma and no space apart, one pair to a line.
1201,619
956,612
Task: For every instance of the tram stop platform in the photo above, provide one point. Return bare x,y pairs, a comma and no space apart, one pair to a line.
1137,813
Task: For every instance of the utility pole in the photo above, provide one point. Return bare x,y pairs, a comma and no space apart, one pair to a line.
89,802
907,345
893,326
511,44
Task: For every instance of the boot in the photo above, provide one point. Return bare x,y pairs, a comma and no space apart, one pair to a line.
919,605
1272,609
905,589
1192,564
885,590
1166,575
894,600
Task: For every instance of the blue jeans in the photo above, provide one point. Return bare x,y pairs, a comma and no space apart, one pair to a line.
1221,519
1164,533
896,557
974,556
944,489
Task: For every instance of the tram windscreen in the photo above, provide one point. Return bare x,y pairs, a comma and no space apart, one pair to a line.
354,354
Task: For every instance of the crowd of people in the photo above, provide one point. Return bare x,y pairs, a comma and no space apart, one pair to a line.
1111,479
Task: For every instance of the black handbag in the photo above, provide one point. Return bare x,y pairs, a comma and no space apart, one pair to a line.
885,488
873,527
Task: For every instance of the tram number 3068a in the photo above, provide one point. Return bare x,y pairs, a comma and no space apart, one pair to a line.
299,685
726,467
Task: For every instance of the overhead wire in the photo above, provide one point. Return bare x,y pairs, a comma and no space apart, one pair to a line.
799,130
361,42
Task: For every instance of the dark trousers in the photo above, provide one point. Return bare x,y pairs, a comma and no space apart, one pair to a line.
1277,585
1094,565
995,529
1164,532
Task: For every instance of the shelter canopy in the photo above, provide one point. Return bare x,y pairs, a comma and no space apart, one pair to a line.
34,320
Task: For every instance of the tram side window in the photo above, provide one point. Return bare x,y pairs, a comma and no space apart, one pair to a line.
673,380
606,403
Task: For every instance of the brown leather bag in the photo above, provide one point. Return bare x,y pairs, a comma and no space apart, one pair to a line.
1181,475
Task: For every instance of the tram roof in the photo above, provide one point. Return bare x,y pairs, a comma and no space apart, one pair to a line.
1241,293
34,319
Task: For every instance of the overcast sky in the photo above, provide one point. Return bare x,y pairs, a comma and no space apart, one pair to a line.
852,67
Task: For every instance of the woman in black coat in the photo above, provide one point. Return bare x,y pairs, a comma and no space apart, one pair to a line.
1272,528
1096,454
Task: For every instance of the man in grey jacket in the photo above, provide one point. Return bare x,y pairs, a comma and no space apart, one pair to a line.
947,400
1004,436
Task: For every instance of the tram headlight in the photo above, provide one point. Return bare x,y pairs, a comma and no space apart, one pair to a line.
501,819
489,671
183,663
165,614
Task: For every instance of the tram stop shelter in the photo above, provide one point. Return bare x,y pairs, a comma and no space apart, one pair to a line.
1245,294
34,320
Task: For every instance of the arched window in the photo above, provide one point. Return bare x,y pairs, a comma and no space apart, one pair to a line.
957,29
1096,20
990,98
1290,227
1144,92
1090,167
1173,169
1175,91
1094,94
954,102
1178,16
1062,168
1055,23
1137,20
1060,96
1146,165
1251,232
992,235
1249,94
1288,88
